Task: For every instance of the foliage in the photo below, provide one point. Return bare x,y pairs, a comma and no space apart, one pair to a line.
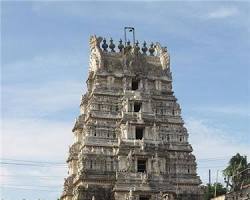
210,190
236,164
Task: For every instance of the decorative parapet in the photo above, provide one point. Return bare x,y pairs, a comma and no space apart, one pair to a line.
99,48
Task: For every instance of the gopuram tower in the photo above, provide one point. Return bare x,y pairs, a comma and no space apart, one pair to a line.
130,142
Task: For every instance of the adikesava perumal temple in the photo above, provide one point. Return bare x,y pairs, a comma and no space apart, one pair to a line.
130,142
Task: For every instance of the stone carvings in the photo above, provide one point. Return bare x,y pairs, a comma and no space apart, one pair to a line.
129,162
129,140
133,59
166,196
156,165
131,197
164,56
96,60
144,178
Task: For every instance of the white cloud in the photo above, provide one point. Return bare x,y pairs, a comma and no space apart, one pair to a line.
44,67
41,100
34,178
35,138
30,129
213,147
223,13
239,110
4,175
210,142
55,85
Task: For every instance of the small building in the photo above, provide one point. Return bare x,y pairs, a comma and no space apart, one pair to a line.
243,194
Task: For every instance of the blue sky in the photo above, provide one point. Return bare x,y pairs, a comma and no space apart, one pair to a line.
44,65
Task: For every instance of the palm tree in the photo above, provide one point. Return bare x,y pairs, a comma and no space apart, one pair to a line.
236,164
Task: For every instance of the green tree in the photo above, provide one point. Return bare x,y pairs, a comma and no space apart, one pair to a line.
210,190
236,164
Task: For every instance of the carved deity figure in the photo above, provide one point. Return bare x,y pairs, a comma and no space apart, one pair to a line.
155,131
95,42
96,52
142,144
144,178
156,164
129,161
124,83
163,54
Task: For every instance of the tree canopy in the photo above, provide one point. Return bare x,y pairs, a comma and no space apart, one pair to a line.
210,190
237,164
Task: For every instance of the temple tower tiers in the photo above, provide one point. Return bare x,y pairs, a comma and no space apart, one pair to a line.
130,139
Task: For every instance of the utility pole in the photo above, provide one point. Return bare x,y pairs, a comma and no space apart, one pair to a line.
209,181
209,177
215,187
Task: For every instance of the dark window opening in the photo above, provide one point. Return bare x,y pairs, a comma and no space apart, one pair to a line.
141,165
112,165
188,171
139,133
180,139
135,84
137,107
144,198
91,165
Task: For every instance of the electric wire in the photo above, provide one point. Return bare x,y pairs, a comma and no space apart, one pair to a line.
63,163
30,189
52,164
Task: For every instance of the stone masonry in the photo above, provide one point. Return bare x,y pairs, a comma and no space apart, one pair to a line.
130,142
